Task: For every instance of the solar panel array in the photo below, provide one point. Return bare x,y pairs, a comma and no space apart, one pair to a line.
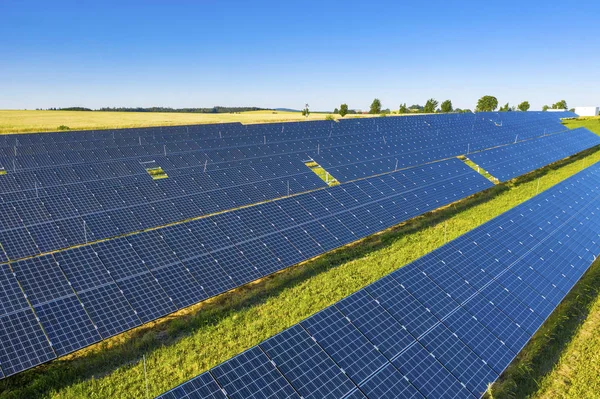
95,291
516,159
80,189
68,189
444,326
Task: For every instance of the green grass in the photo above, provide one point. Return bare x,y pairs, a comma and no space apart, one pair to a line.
157,173
191,341
479,170
322,173
592,123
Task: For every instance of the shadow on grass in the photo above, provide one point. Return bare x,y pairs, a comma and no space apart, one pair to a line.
521,379
128,348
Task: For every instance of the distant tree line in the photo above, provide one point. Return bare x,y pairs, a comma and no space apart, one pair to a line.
484,104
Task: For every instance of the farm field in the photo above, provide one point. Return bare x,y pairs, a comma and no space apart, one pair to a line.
180,346
14,121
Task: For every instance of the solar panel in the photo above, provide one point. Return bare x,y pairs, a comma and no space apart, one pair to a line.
203,386
449,323
252,375
308,368
72,189
516,159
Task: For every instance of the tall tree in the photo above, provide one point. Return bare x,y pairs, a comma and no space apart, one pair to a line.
430,106
403,109
343,110
524,106
446,106
545,108
562,104
375,107
336,111
487,104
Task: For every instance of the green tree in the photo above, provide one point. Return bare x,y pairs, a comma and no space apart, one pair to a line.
336,111
504,108
524,106
306,111
343,110
545,108
562,104
430,106
446,106
403,109
375,107
487,104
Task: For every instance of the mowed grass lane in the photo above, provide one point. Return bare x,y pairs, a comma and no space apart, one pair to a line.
185,344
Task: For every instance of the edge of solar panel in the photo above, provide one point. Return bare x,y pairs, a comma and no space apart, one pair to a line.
562,145
578,181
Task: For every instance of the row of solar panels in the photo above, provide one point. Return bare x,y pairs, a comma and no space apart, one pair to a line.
444,326
17,158
33,184
29,184
514,160
281,131
39,225
73,298
60,217
330,136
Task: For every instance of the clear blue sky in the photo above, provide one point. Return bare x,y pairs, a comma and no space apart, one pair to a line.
285,54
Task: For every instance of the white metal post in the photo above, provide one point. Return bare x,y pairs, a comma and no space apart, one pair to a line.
288,188
205,163
84,232
445,231
165,149
145,376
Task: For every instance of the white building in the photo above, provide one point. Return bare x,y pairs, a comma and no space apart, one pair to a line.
586,111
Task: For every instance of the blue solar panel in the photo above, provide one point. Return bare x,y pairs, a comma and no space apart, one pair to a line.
73,189
448,324
345,344
516,159
23,344
252,375
306,366
203,386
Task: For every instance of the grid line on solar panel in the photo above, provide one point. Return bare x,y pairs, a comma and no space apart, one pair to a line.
99,226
